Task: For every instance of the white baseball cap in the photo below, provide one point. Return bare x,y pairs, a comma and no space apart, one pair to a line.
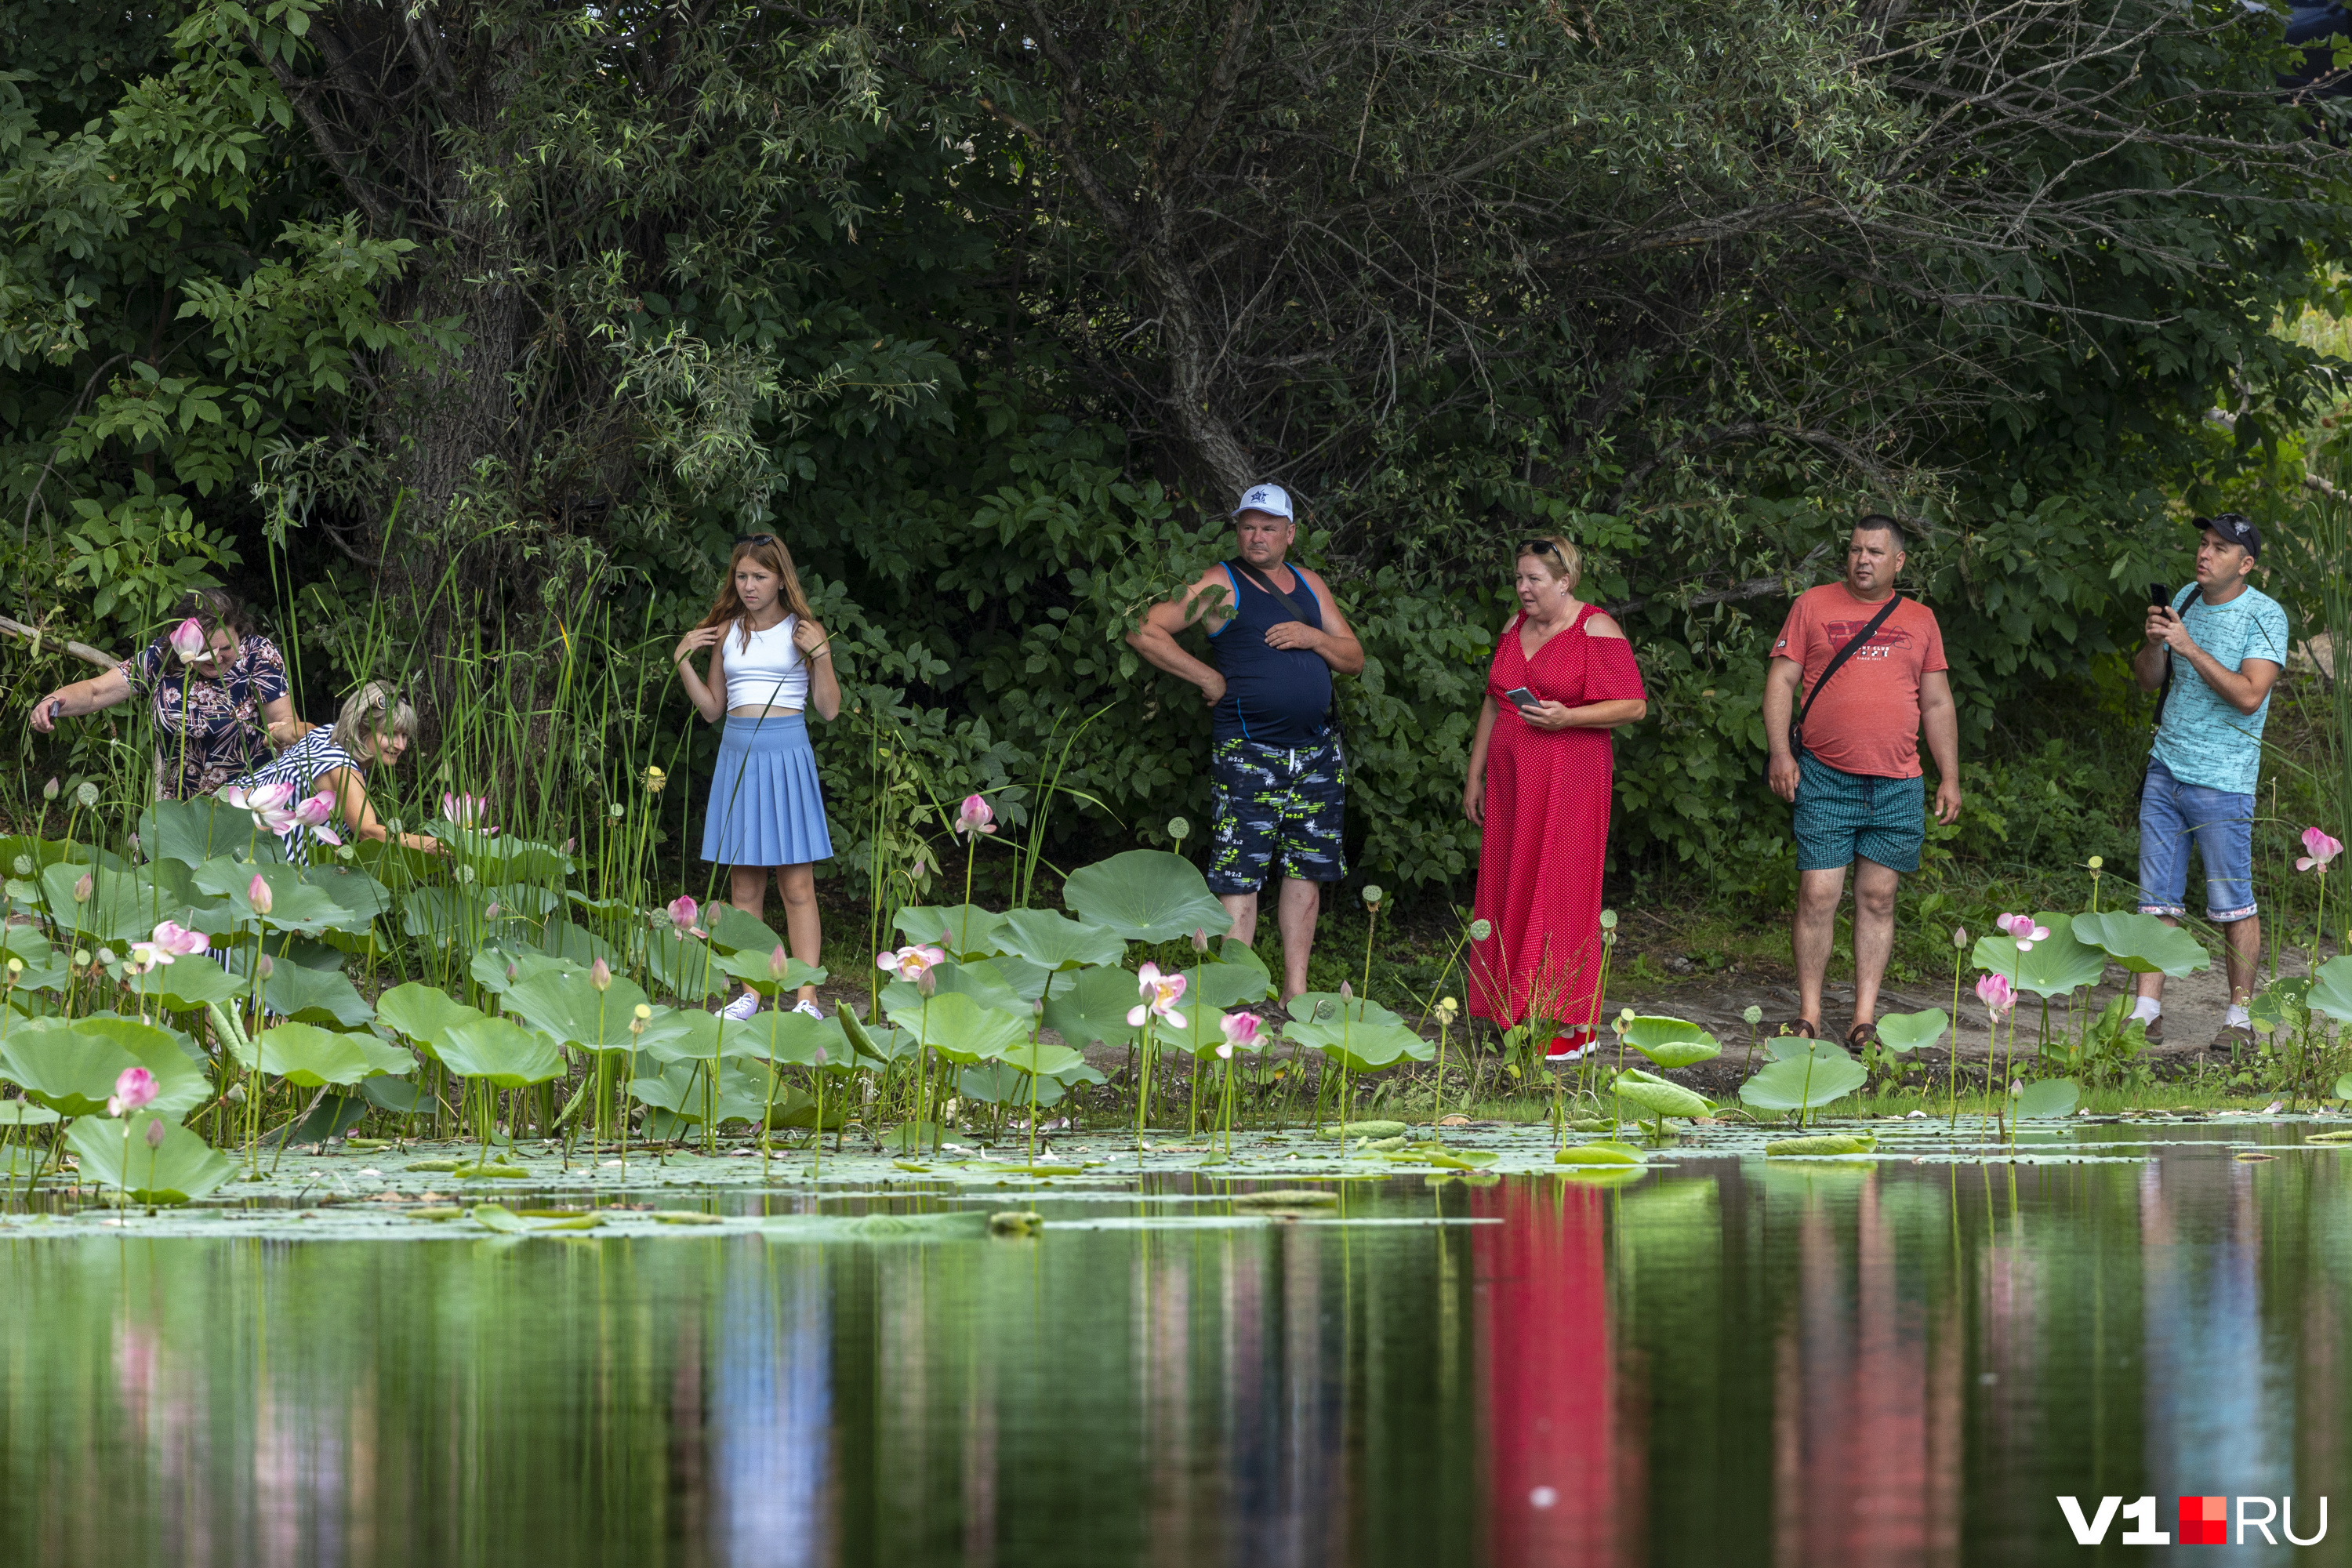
1270,498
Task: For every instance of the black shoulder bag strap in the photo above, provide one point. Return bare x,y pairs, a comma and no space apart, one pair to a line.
1837,662
2164,692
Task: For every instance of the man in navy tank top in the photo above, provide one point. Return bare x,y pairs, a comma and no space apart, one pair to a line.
1280,779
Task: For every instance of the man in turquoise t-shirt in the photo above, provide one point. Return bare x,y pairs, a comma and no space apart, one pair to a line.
2224,644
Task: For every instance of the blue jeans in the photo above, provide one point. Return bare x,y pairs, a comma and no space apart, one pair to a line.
2170,815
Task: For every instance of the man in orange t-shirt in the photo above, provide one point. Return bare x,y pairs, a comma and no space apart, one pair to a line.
1856,782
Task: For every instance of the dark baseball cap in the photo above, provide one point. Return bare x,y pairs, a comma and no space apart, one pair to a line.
2234,529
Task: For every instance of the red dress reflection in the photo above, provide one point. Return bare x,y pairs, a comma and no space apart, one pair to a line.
1556,1470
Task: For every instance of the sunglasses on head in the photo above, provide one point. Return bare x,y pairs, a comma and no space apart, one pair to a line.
755,539
1538,547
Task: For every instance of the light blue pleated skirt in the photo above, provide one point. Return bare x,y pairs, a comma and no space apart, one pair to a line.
766,805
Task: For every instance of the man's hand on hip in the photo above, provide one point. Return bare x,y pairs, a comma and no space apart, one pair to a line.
1214,688
1947,800
1783,773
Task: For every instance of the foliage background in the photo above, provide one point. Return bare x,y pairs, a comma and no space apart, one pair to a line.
489,324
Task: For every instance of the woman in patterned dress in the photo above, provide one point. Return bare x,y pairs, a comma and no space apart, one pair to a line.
374,729
216,713
1541,770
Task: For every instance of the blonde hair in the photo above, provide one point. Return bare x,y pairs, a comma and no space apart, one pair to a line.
1564,561
372,710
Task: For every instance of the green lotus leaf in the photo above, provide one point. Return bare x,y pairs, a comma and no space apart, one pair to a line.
966,930
786,1036
187,983
1091,1007
1671,1042
24,1113
1359,1044
308,1057
1044,1060
752,969
1048,939
1329,1007
489,964
957,1027
2331,990
70,1065
501,857
681,1035
444,915
2143,943
981,980
1659,1097
569,1008
387,1058
2284,1003
1823,1143
46,965
1224,986
2057,964
1804,1082
295,904
314,995
122,906
181,1168
423,1013
191,832
1602,1153
577,945
684,965
2046,1097
733,931
1905,1032
1145,895
501,1052
360,896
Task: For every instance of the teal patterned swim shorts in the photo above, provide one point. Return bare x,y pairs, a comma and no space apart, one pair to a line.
1278,806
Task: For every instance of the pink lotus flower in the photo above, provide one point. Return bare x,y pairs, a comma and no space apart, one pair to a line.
1160,994
465,810
171,941
910,962
315,813
1240,1030
2021,928
974,816
256,893
2322,850
134,1088
780,962
188,640
682,912
1997,994
268,803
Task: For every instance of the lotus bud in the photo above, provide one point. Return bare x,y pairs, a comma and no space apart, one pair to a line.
600,976
489,912
820,1056
256,893
83,888
86,794
1481,930
1373,894
265,967
346,854
778,962
49,790
1752,1014
510,973
569,843
1200,941
926,983
1347,991
155,1133
1960,936
1178,828
187,640
134,846
654,780
1608,920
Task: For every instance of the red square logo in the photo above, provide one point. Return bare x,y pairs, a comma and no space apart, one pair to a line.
2204,1521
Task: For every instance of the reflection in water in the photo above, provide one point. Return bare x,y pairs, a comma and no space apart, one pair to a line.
1805,1367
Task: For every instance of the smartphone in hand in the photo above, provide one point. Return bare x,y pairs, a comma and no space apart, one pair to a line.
1520,698
2159,598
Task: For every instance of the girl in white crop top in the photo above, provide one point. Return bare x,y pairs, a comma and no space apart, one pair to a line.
770,662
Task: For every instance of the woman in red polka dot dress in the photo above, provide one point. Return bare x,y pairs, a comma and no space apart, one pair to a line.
1540,771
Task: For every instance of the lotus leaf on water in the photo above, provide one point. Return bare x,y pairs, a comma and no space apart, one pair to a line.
70,1065
1659,1097
1806,1082
2143,943
2047,1098
1363,1129
966,930
1670,1042
2343,1137
959,1028
1823,1143
422,1013
501,1052
2331,991
1903,1033
1145,895
1048,939
1287,1198
178,1168
1599,1153
2055,966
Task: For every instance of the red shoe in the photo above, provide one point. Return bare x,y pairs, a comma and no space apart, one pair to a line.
1570,1047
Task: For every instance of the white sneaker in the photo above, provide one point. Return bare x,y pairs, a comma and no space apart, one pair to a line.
812,1009
741,1008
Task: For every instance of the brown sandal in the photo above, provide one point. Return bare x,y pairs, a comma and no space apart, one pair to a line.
1803,1029
1861,1036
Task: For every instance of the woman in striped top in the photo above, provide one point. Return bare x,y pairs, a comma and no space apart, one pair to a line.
375,729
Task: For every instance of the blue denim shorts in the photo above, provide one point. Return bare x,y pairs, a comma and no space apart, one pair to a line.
1841,816
2170,815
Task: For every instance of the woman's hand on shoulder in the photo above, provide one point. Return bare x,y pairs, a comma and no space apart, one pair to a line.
809,637
694,642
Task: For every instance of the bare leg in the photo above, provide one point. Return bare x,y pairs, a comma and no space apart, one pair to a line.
747,888
1873,932
803,930
1242,907
2152,986
1302,901
1813,934
2245,942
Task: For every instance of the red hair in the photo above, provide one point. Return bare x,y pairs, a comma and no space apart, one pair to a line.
765,549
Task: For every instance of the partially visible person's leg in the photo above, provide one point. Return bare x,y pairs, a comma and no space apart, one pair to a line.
1828,818
1241,833
1301,904
747,888
2223,825
804,927
1887,847
1813,934
1242,907
2244,957
1873,932
2163,869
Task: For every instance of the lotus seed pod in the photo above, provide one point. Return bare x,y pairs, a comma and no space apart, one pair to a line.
654,780
600,976
1481,930
465,873
641,1012
155,1133
81,958
236,1095
1373,894
106,955
1178,828
1608,920
15,966
49,790
1752,1014
82,888
24,865
617,811
87,795
2098,862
